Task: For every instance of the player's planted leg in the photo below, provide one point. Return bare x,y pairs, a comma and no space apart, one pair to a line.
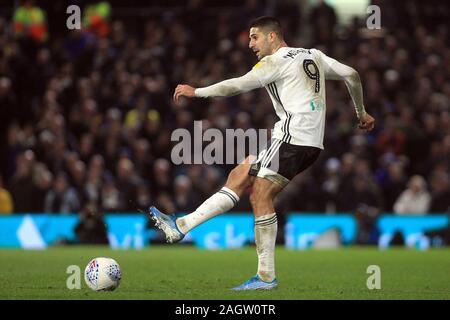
265,236
266,228
256,283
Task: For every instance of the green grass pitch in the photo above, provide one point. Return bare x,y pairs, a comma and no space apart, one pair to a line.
184,272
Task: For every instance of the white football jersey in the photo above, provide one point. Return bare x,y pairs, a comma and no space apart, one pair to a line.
295,81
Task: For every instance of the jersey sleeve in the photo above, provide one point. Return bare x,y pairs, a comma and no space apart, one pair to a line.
263,73
230,87
334,70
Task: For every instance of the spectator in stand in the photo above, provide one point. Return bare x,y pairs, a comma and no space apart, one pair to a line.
162,177
96,18
44,180
91,228
62,198
331,183
6,203
22,187
85,95
323,20
110,195
30,21
361,193
126,184
440,196
185,199
143,196
92,187
415,199
395,184
391,139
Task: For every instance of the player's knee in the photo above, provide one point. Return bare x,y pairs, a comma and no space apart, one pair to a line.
235,176
259,195
261,202
238,179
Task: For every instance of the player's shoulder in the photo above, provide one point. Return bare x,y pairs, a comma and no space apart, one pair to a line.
290,54
284,56
267,62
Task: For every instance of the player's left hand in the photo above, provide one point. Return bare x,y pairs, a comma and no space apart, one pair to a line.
366,122
183,90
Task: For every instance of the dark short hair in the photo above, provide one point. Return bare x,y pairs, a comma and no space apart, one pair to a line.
269,24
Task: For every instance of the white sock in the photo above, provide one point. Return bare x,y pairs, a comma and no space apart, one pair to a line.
265,237
220,202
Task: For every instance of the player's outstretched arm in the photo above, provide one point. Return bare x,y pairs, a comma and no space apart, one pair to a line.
335,70
224,88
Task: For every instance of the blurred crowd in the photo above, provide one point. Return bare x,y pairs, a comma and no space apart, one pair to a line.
87,115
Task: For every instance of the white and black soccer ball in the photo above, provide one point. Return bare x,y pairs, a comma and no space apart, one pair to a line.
102,274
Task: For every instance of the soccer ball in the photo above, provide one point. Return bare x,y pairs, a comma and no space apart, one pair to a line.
102,274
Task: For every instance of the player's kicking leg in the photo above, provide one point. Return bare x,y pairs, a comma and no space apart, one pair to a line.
222,201
273,170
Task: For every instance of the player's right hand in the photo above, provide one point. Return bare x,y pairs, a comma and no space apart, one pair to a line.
183,90
366,122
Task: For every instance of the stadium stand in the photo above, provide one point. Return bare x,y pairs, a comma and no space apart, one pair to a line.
86,116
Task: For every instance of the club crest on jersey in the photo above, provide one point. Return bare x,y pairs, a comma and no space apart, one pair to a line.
258,65
316,105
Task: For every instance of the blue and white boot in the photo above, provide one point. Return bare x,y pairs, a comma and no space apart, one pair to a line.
256,283
166,224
